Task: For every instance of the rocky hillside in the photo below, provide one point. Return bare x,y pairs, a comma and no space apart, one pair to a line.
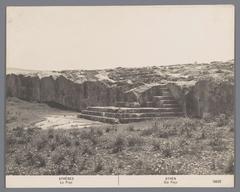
199,88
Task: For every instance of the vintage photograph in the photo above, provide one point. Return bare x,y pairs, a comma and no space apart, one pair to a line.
120,90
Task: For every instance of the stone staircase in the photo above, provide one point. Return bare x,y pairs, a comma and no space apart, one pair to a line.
161,106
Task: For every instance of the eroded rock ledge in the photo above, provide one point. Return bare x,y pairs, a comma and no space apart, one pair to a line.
203,96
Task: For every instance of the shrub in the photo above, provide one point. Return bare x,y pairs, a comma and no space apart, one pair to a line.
147,132
39,161
156,144
50,133
134,140
40,142
142,168
229,169
30,131
58,156
19,159
207,117
63,139
52,144
167,150
98,165
118,144
87,150
130,128
30,159
203,135
155,125
187,127
217,143
19,131
99,132
190,124
166,131
91,135
193,149
189,133
82,165
62,170
231,124
110,170
108,129
151,130
10,140
213,165
222,120
85,134
76,143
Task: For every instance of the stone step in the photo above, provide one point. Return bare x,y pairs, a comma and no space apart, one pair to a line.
130,120
164,97
127,104
169,102
113,109
131,115
163,89
148,104
170,105
166,93
99,118
120,120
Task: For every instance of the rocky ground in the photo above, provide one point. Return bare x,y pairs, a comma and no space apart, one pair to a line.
176,146
198,88
181,74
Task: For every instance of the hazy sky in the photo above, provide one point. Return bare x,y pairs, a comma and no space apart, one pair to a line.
56,38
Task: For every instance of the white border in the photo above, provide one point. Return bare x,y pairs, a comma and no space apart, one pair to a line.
106,181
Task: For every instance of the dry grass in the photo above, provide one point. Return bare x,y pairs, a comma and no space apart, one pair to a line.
176,146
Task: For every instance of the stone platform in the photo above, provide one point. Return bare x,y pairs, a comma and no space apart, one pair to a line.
150,106
126,115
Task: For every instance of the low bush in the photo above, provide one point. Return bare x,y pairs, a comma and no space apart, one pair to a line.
40,142
229,168
166,132
222,120
231,125
134,140
87,149
18,131
99,132
58,156
118,144
130,128
167,149
217,143
147,132
156,144
207,117
98,165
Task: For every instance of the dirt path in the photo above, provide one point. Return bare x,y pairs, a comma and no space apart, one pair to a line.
65,121
25,114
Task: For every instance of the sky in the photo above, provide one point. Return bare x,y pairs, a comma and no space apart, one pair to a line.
99,37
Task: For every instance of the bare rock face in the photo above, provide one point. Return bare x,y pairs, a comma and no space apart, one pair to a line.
61,91
211,97
23,87
47,89
205,96
198,89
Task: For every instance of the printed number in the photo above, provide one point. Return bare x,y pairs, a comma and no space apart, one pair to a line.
217,181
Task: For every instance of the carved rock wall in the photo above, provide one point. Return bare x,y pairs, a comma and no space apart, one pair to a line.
62,91
205,96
